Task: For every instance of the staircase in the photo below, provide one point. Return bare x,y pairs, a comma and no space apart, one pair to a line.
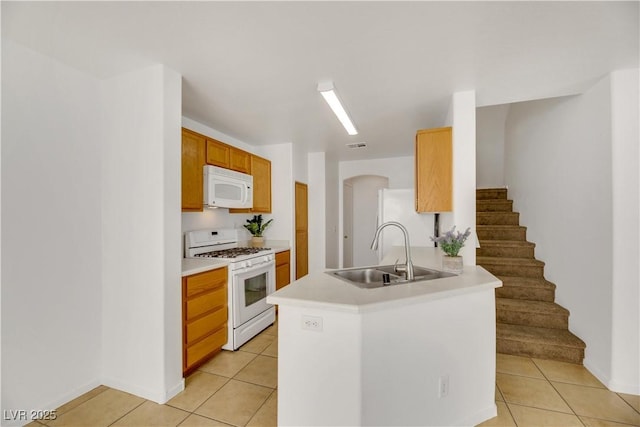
529,323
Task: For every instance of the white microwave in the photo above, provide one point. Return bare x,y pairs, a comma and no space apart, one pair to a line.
224,188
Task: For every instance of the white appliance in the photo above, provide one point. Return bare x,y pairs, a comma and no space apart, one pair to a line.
399,205
251,278
224,188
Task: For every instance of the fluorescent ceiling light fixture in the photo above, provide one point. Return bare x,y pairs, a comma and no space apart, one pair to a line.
329,93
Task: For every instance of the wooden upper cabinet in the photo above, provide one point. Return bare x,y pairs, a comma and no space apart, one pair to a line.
434,170
261,172
260,169
198,150
240,161
193,159
218,153
228,157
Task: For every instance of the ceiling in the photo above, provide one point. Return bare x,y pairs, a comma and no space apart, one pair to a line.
250,69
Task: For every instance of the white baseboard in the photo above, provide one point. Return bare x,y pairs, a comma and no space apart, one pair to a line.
480,416
61,400
158,396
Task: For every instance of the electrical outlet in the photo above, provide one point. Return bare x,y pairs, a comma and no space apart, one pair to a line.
312,323
443,386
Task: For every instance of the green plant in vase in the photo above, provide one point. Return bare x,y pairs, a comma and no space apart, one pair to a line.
255,225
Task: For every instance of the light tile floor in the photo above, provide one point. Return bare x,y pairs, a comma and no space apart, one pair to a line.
240,388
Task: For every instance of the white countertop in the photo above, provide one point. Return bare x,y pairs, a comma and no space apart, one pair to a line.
199,265
324,291
276,245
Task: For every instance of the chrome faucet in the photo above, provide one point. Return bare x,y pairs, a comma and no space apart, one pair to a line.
407,269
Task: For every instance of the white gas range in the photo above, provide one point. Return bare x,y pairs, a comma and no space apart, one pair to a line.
251,279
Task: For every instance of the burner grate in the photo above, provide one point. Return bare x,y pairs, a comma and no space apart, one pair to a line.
232,253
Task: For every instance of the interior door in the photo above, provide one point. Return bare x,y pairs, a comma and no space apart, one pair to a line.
302,230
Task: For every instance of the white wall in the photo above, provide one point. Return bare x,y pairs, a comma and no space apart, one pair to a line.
365,216
490,124
625,353
399,170
332,214
382,375
558,167
141,296
282,207
317,207
462,117
51,310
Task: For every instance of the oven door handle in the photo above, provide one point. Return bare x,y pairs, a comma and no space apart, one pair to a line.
255,267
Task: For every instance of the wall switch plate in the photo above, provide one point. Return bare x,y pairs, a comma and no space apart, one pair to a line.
312,323
443,386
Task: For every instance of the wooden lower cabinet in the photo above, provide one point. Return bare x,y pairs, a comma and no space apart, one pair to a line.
283,269
204,317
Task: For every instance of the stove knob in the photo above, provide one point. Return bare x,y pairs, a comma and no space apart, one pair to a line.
249,263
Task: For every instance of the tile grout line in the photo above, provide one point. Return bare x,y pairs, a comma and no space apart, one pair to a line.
260,407
128,412
625,401
80,404
545,379
558,391
212,394
506,404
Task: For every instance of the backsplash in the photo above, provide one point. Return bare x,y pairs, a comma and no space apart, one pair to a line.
214,218
209,218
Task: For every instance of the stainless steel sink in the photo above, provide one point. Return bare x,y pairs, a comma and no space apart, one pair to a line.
373,277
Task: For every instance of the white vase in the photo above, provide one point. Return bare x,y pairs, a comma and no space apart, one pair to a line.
452,264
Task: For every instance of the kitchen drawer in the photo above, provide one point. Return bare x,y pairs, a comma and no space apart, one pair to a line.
207,346
283,257
203,282
204,325
206,302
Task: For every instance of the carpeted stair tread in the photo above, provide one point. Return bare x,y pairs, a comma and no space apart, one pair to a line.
526,306
506,248
543,343
501,232
503,266
491,193
497,218
487,260
539,314
528,282
526,288
507,243
494,205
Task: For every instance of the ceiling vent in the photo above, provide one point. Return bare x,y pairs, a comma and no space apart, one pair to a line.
356,145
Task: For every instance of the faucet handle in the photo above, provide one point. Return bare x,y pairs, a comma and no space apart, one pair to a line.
399,268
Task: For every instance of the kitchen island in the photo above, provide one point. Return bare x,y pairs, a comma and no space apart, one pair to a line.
419,353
